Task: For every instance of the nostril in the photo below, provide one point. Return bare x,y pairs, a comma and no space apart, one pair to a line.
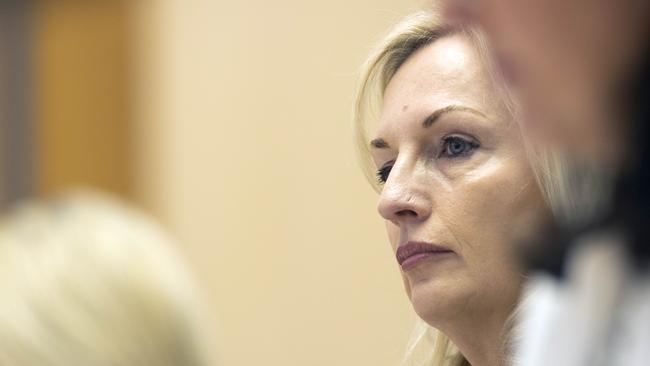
406,213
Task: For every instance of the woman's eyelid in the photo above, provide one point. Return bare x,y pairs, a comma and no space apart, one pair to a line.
390,162
463,136
380,158
467,127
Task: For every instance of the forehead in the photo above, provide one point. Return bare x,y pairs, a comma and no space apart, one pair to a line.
443,73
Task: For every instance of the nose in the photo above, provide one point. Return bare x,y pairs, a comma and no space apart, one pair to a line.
403,198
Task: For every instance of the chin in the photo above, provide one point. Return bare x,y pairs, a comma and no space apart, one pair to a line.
438,301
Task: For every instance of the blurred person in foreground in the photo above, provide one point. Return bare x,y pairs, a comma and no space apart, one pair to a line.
582,72
574,64
88,281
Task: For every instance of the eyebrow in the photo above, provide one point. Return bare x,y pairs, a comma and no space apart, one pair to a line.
433,117
380,143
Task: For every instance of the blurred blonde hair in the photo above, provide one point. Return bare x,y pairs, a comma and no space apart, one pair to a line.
571,190
88,281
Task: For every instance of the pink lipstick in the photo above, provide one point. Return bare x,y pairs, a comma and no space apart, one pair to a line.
412,253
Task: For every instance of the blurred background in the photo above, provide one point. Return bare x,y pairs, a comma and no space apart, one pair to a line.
228,121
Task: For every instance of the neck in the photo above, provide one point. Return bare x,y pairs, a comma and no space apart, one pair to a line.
481,339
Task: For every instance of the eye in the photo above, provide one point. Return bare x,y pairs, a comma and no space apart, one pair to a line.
384,172
456,146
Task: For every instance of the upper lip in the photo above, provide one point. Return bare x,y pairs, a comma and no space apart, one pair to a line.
412,248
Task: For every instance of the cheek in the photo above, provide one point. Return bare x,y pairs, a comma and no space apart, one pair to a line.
490,212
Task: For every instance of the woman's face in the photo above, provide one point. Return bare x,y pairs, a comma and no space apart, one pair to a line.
458,193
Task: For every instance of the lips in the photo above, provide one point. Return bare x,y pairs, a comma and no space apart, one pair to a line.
412,254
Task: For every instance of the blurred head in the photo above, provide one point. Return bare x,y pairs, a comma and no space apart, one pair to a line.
457,189
86,281
568,61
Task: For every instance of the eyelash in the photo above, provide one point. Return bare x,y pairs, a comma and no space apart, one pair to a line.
384,171
470,147
447,141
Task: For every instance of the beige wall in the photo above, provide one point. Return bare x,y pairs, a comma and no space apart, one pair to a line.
244,149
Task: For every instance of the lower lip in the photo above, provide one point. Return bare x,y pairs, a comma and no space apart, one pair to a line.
415,260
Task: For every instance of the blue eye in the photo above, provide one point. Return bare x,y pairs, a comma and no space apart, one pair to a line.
383,173
455,146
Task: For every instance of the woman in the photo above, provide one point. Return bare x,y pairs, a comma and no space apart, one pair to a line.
87,281
459,187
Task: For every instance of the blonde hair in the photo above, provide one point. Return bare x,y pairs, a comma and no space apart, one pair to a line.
571,190
88,281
